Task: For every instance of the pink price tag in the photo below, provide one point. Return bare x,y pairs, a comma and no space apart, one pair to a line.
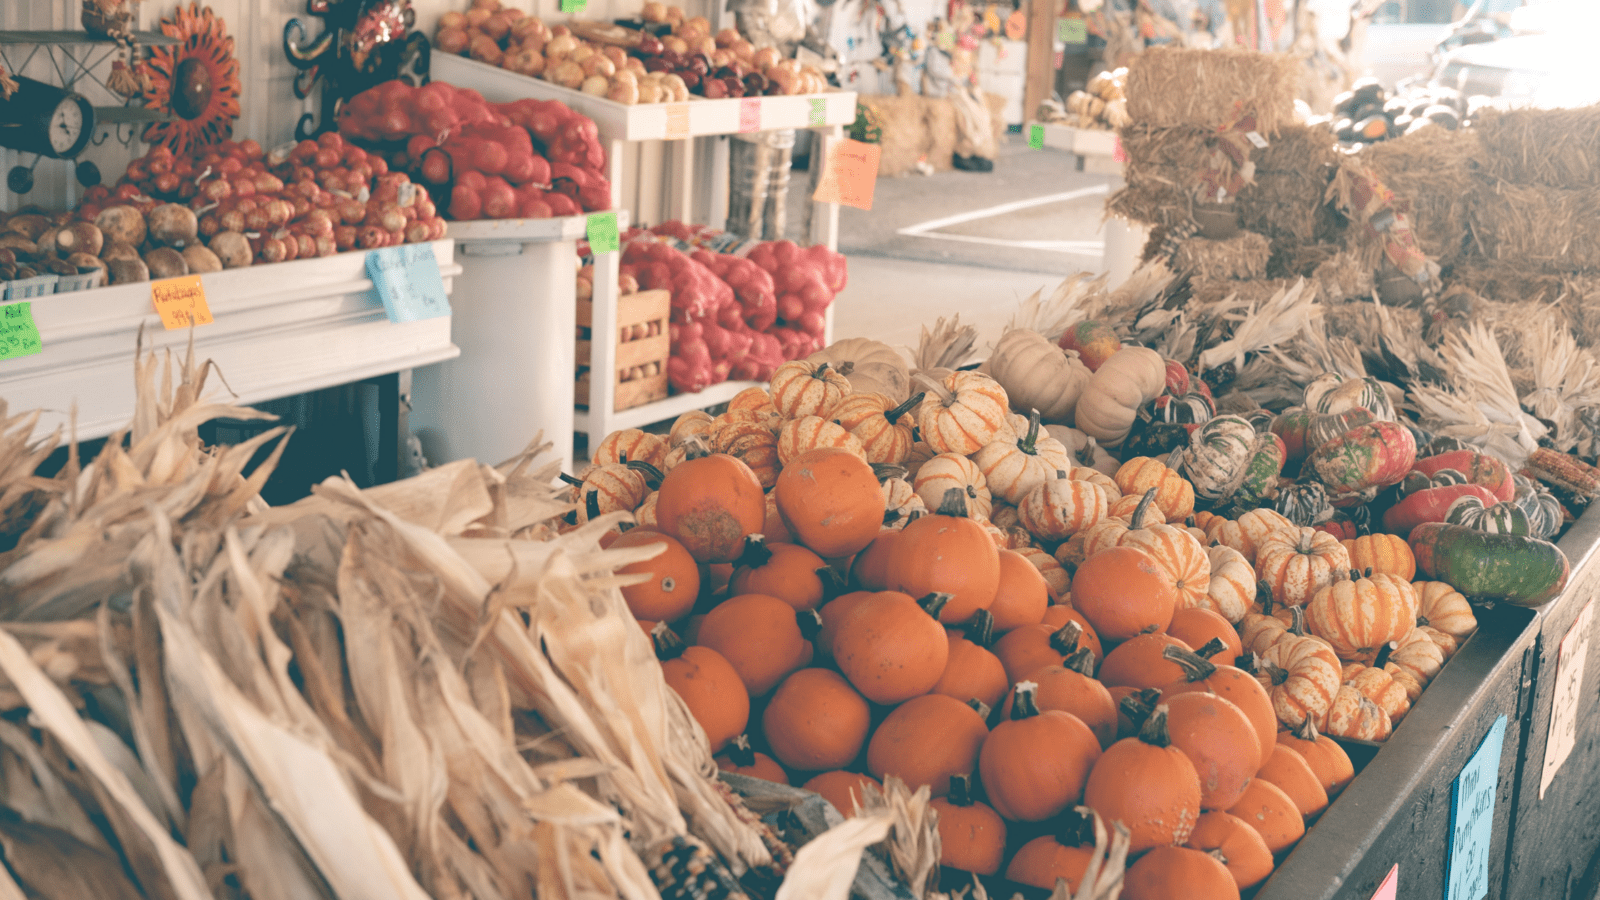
750,114
1117,153
1391,885
677,121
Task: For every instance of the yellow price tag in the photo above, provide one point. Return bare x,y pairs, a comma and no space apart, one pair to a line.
180,301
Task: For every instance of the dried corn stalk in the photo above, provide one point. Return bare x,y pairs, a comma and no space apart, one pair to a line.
1480,405
1287,313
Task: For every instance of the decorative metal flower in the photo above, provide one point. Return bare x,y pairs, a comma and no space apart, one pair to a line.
196,80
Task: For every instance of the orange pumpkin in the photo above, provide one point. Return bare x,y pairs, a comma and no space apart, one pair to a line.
774,530
711,504
1124,592
674,581
892,647
1045,859
1232,684
1444,608
800,388
1174,494
1219,740
1360,615
1139,662
1386,554
789,572
927,740
1172,546
630,445
1033,647
1022,597
1302,674
1298,564
845,790
1168,872
1266,808
947,553
1237,846
815,721
1072,688
972,836
1327,759
801,436
885,430
830,501
709,686
739,758
1197,626
834,613
1034,764
1060,614
1287,769
1148,785
870,569
961,413
970,670
760,636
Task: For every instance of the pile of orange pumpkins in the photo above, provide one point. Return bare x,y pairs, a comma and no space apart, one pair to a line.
856,584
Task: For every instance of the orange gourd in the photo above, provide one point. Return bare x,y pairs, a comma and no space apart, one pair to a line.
1297,564
1064,855
970,670
711,504
1035,764
892,647
1233,684
833,613
674,583
801,388
1071,688
947,553
927,740
739,758
1168,872
1124,592
1352,716
1034,647
1287,769
1266,808
709,686
1148,785
1174,495
1060,614
885,430
1219,740
962,412
815,721
870,569
692,424
761,637
1327,759
801,436
845,790
789,572
1198,626
1174,548
1139,662
830,501
1362,614
1021,597
972,836
1386,554
630,445
1237,845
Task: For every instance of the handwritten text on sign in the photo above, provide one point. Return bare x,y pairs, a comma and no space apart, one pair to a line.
1472,818
1570,664
180,301
19,336
409,283
849,175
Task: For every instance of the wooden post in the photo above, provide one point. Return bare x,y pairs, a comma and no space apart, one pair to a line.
1041,56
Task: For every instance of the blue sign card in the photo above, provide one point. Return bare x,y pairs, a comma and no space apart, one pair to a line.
408,281
1472,818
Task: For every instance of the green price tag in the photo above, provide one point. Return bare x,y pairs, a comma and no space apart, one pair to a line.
603,237
574,6
1035,137
1069,31
19,336
819,112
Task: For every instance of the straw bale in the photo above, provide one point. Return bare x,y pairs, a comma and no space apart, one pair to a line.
1554,148
939,120
905,132
1178,86
1298,148
1431,172
1344,275
1255,292
1549,228
1506,282
1152,201
1286,205
1241,258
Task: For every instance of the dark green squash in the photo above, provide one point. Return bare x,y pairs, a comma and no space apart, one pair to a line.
1509,568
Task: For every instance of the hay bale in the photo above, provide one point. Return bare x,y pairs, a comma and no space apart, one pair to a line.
939,120
905,131
1298,148
1170,86
1432,172
1344,276
1152,201
1555,147
1548,228
1239,258
1258,291
1506,282
1285,204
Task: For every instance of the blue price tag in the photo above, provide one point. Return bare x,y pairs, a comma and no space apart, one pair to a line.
1472,818
408,281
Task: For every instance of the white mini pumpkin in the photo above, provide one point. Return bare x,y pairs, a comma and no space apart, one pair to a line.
869,366
1038,375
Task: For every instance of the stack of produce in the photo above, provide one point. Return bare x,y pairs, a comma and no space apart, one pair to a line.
228,206
527,159
1104,104
1367,113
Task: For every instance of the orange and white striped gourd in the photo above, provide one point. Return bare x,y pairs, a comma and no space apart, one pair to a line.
900,503
1359,615
1387,554
1353,716
1174,494
885,430
810,433
1297,564
1247,533
1444,608
1172,546
962,412
1232,589
1012,468
1302,675
1056,579
630,445
801,388
950,470
1062,507
694,423
1380,687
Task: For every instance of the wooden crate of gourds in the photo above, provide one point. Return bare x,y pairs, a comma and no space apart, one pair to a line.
976,582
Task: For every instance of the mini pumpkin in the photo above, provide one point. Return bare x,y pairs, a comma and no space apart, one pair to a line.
815,721
845,791
801,388
1197,627
961,413
1049,859
1219,740
1174,495
1296,566
1272,813
709,686
1303,504
927,740
1108,406
1012,468
884,429
1200,876
630,445
1290,772
1302,674
1261,471
1328,761
1232,588
1247,533
1021,597
1035,764
1062,506
1217,457
900,503
761,637
1147,784
1072,688
1124,591
741,759
1030,648
1352,715
1444,608
789,572
694,423
870,366
1139,662
1360,615
1233,684
1177,551
947,553
1038,375
1380,687
1056,579
674,578
800,436
1235,844
1387,554
711,504
870,568
892,647
1505,517
972,836
948,470
971,671
830,501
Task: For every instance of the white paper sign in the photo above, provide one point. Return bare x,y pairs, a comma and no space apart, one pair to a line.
1570,664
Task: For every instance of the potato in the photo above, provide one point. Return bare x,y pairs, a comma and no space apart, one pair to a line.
582,52
128,271
118,250
673,85
122,223
232,249
8,257
201,260
47,242
569,74
84,264
596,85
174,225
561,45
29,225
526,62
617,55
165,262
19,244
80,237
59,267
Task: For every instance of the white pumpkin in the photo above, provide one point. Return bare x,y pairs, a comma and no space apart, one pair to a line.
1130,378
869,366
1038,375
951,470
1084,450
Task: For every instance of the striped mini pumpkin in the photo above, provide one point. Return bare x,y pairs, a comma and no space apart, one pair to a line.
1233,584
810,433
1062,507
762,456
1174,495
1297,565
1012,468
756,399
630,445
800,388
1302,675
1359,616
695,422
1056,579
1181,556
1379,687
1353,716
948,470
900,503
610,488
1444,608
1418,659
962,413
884,429
1247,533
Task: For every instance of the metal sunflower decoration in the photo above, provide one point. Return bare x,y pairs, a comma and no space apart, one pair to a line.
195,80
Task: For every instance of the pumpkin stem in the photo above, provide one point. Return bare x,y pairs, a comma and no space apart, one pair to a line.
1154,731
668,644
1139,512
810,622
845,368
1367,573
960,790
915,401
741,753
1188,522
946,396
1195,666
1065,640
1264,592
1081,661
934,603
1297,621
980,628
1023,705
695,447
1384,653
1060,474
570,480
755,553
591,505
1029,441
1275,674
1305,731
979,707
1077,828
1250,662
885,471
1137,707
954,503
833,584
652,475
1355,574
1209,648
1218,856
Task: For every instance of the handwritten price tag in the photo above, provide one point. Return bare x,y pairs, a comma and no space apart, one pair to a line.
1472,818
180,301
849,174
1572,659
677,121
1035,137
574,6
819,113
408,282
1072,31
749,114
19,336
602,228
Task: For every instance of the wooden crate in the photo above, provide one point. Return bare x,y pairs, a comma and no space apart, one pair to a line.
639,309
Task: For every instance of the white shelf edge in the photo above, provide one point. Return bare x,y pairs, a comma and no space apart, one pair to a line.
670,408
528,231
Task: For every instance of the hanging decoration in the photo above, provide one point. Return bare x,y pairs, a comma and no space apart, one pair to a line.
113,20
195,80
363,43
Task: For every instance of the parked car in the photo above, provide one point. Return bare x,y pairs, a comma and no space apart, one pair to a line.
1545,71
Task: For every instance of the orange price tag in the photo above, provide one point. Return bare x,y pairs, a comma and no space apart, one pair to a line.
180,301
849,175
677,121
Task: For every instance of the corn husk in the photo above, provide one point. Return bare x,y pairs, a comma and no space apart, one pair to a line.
1480,405
1263,326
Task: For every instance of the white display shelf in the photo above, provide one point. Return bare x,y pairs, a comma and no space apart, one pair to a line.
278,330
662,410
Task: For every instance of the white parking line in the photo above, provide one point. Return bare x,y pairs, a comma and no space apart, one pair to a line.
929,228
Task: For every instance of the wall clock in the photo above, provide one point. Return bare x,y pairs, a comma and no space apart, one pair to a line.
46,119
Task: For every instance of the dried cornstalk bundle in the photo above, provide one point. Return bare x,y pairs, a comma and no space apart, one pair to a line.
913,845
947,346
1552,147
1480,404
1076,298
1240,258
1262,326
1565,378
1178,86
1343,276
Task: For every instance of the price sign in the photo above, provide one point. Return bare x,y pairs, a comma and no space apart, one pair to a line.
1035,137
818,115
180,301
1255,138
1472,818
408,282
1390,888
849,174
1572,658
602,228
1072,31
19,336
1117,153
574,6
677,121
749,114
